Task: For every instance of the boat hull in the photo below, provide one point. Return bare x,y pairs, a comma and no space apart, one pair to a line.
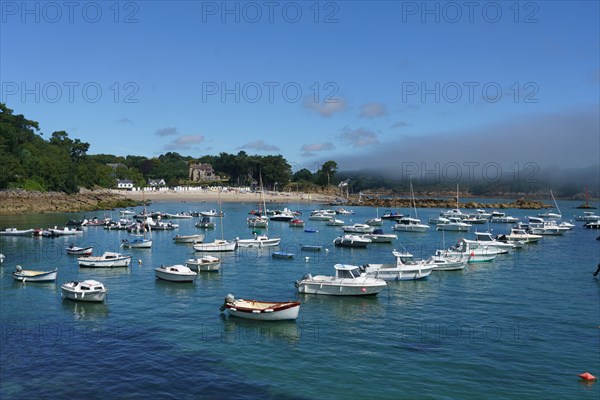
97,262
391,272
258,243
138,245
189,239
278,312
35,276
332,286
411,228
173,277
85,251
204,266
216,247
97,296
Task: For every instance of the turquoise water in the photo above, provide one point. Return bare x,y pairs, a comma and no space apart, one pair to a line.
521,327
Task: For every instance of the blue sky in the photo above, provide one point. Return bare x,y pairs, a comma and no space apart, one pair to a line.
368,84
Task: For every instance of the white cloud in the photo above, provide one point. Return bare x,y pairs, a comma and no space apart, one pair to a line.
125,121
259,145
166,132
373,110
184,142
327,108
310,149
360,137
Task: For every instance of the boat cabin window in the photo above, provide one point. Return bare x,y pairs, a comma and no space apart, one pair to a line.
85,288
355,273
407,260
344,273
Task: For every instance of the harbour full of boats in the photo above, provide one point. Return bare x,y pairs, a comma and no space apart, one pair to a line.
192,255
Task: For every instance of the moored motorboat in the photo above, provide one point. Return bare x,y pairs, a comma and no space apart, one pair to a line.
408,224
88,290
205,223
454,224
80,251
592,225
107,260
25,275
587,216
405,268
65,231
178,216
351,241
448,263
522,235
379,237
334,222
16,232
348,281
283,216
282,255
204,264
261,310
258,241
296,223
137,243
216,245
175,273
358,228
188,238
308,247
377,221
212,213
473,251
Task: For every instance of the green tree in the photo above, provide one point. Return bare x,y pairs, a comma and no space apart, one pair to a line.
326,174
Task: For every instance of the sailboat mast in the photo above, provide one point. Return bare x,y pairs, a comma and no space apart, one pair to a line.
412,193
221,214
555,204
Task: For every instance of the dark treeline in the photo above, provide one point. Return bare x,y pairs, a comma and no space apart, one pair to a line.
60,163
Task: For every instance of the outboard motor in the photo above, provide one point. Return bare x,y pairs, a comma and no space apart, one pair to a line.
228,299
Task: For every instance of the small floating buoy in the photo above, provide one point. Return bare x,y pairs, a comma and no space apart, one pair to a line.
139,261
586,376
326,250
306,258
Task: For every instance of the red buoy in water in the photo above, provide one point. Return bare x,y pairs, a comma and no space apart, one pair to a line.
586,376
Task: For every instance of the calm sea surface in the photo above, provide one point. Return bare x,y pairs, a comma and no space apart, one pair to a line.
522,326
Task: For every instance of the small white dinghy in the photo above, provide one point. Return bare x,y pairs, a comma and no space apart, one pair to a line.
261,310
204,264
189,238
175,273
25,275
79,251
89,290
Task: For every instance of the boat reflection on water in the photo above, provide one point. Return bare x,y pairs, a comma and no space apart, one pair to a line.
348,308
178,289
244,331
84,311
33,285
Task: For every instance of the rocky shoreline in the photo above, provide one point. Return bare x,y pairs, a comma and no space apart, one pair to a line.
13,202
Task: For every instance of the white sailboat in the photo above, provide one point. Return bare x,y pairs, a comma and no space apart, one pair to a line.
408,224
549,214
218,245
259,220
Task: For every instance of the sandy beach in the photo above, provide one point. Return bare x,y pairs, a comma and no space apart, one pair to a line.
232,195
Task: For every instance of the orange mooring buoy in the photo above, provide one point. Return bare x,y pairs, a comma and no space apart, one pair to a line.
586,376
